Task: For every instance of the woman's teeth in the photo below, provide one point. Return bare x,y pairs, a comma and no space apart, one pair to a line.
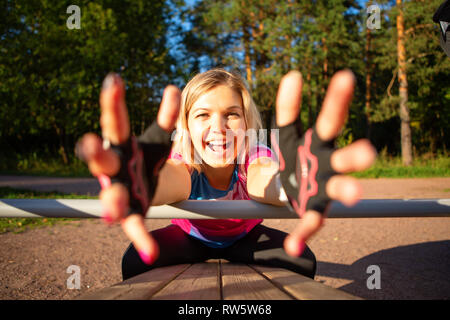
217,146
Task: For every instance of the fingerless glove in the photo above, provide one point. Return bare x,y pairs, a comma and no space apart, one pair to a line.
305,167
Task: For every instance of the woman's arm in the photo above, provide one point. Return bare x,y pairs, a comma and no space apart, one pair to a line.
174,183
261,181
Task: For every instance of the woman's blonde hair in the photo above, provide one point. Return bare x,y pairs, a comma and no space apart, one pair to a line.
196,87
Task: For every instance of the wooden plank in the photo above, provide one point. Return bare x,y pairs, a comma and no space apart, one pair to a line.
199,282
301,287
140,287
240,282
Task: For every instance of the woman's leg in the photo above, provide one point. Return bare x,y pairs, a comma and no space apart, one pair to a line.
175,247
264,245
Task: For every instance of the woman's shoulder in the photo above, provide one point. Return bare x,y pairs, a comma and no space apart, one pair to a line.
259,150
177,158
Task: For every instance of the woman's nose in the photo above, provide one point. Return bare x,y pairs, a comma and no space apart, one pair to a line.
217,124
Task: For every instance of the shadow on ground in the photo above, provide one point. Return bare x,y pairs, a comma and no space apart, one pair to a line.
418,271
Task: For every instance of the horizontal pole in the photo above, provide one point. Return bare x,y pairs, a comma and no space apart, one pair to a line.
224,209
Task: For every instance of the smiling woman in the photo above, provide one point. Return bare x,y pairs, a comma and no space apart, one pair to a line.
215,153
213,116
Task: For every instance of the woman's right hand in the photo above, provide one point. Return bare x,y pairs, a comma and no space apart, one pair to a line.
103,163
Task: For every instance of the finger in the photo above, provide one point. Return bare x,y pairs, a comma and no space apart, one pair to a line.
144,244
345,189
169,108
289,98
310,223
335,106
358,156
115,201
114,115
89,149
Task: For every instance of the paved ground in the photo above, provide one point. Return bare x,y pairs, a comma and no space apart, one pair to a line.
412,254
67,185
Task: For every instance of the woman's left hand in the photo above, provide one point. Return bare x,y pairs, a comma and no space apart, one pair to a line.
357,156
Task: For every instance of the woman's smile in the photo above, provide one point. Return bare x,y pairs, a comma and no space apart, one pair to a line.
218,146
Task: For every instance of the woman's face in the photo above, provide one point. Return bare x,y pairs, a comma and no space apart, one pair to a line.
217,126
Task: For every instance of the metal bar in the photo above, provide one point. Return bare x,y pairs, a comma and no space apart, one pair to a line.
222,209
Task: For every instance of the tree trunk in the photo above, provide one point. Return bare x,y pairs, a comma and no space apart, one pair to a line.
403,91
62,149
325,64
248,62
368,79
323,83
309,99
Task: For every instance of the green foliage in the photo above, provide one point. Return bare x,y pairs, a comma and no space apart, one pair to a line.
428,70
318,38
386,109
51,75
264,40
37,164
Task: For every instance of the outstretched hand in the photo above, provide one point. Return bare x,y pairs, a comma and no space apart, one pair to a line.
104,163
357,156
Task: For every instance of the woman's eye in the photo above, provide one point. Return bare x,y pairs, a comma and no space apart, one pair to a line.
230,114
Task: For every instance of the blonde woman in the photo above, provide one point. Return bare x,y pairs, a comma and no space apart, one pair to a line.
217,155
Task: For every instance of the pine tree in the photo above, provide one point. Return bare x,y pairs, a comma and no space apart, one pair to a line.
53,74
403,90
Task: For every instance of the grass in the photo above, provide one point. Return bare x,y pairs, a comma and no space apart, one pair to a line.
17,225
391,167
38,165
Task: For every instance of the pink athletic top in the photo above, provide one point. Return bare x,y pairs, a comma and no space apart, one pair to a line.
220,233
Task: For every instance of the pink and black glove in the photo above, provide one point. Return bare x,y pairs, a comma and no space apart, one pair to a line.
305,167
141,159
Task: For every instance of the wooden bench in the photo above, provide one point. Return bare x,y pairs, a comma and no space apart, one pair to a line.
219,280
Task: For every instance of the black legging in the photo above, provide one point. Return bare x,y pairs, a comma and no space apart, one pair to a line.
262,245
